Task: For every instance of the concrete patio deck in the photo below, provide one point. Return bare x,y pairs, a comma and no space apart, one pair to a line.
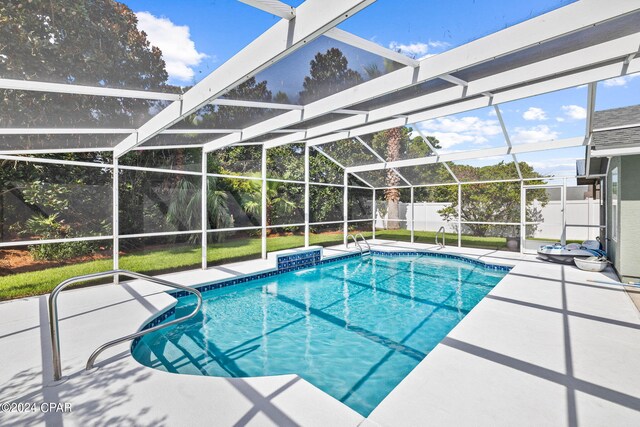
549,345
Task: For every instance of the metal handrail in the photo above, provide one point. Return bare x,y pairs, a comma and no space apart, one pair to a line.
354,241
364,240
441,229
53,315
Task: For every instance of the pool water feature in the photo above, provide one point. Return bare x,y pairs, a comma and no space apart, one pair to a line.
353,328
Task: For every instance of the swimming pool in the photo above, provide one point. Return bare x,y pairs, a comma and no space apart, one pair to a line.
353,328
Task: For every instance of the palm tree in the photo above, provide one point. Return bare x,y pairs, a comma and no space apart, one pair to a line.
392,193
277,202
184,208
392,153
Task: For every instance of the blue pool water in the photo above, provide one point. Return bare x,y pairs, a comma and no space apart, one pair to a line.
353,328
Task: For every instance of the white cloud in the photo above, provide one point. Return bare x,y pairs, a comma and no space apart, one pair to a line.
535,113
560,119
450,139
533,134
620,81
178,50
575,112
492,113
555,166
452,131
418,49
438,44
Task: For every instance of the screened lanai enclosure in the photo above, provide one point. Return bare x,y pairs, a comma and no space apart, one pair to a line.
308,134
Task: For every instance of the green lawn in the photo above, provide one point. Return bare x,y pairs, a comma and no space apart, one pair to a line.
183,257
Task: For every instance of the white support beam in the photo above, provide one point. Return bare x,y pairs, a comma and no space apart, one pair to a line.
307,198
71,89
591,106
453,79
284,140
64,131
54,161
109,131
459,227
31,151
263,203
345,209
433,149
255,104
328,138
369,46
507,140
578,78
350,111
313,18
340,165
115,219
273,7
603,72
475,154
198,131
413,215
548,68
379,157
321,151
555,24
204,212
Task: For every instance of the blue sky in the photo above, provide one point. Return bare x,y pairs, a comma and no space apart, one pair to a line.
197,36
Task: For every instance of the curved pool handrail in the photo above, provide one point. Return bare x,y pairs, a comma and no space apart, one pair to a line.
354,241
441,230
364,240
53,315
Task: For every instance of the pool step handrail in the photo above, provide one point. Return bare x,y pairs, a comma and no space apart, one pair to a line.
53,315
358,245
365,242
440,231
354,241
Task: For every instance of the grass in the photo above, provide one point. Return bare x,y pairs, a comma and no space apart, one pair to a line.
183,257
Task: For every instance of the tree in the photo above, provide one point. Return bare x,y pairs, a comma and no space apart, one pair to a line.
231,117
93,43
488,202
329,73
396,144
393,139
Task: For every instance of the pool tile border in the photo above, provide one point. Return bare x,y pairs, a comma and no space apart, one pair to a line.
446,256
303,258
298,261
154,322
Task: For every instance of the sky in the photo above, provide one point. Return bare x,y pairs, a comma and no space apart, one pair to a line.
198,36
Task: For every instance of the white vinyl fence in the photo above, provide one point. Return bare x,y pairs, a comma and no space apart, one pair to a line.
583,212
